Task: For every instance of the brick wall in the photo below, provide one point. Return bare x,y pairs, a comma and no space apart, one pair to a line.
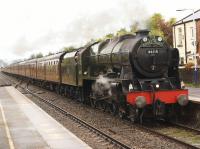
198,38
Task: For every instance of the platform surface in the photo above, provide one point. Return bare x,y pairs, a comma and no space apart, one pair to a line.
23,125
194,94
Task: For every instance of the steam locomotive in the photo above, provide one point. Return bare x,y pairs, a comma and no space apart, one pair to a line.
132,75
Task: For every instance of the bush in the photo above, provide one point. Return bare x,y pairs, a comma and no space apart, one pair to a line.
189,65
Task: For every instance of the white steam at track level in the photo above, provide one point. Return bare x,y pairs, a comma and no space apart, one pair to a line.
102,87
50,32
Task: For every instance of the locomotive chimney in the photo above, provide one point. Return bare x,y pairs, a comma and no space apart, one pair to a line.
144,32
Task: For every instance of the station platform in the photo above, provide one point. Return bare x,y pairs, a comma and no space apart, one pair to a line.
194,95
23,125
194,99
3,81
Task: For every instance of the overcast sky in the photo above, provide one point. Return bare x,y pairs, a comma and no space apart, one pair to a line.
32,26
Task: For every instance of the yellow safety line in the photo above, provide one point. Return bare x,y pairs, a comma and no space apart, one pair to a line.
11,144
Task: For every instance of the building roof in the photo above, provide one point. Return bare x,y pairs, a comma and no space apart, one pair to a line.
189,17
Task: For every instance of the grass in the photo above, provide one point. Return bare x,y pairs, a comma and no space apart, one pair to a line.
192,85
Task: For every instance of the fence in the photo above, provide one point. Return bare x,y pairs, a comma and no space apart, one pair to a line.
188,75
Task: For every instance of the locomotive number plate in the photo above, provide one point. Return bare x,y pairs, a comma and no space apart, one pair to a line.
152,51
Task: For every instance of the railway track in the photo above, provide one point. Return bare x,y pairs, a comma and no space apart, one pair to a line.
192,136
181,134
184,135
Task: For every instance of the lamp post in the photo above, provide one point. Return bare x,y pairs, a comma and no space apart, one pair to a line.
195,45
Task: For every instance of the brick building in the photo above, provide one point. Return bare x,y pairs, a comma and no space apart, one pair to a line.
184,33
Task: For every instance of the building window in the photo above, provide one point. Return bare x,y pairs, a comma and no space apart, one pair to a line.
192,31
180,36
182,61
192,36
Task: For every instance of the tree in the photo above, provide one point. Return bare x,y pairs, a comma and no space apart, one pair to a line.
166,27
108,36
32,56
39,55
154,24
172,21
91,42
121,32
160,27
50,53
69,49
134,27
